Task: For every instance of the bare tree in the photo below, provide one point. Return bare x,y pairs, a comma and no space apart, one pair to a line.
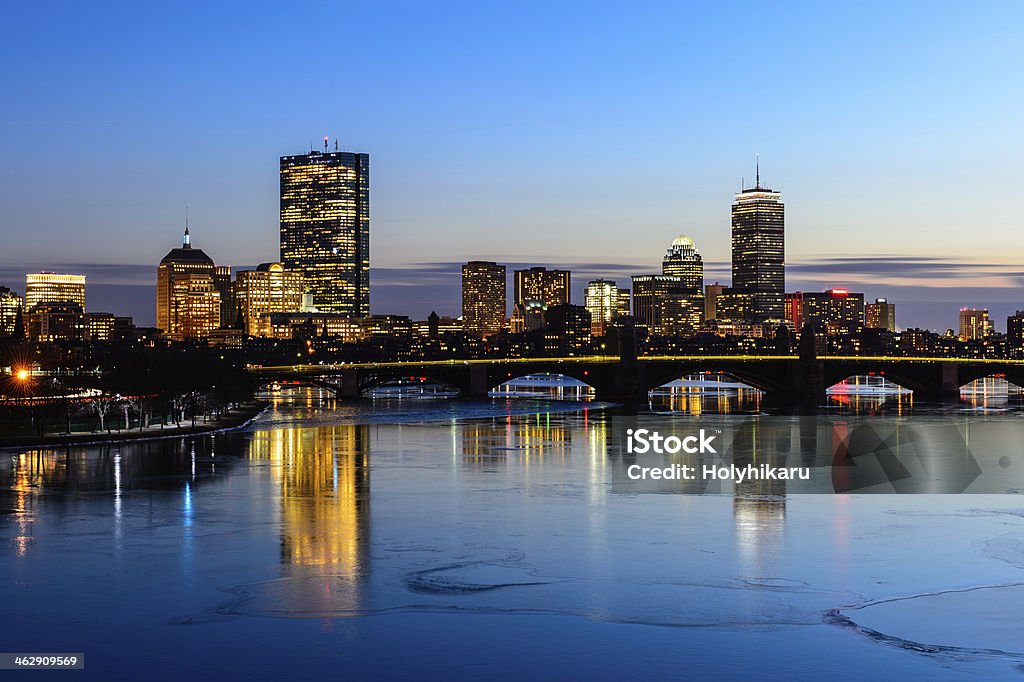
101,405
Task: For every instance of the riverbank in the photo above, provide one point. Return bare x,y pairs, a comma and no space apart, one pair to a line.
234,418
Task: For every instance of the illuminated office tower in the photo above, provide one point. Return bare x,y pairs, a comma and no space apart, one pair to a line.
683,260
325,227
195,307
541,284
50,287
267,289
758,254
603,300
483,297
880,315
974,324
185,293
836,311
10,306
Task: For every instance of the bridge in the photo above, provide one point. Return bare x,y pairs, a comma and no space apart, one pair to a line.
783,379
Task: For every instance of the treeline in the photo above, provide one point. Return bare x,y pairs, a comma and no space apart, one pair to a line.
114,387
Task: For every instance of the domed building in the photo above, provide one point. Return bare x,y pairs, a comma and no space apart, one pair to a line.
683,260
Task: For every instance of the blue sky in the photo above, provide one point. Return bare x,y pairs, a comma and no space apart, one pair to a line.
584,134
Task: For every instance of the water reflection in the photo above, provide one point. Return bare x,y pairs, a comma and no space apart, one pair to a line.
323,478
992,394
61,478
706,394
526,438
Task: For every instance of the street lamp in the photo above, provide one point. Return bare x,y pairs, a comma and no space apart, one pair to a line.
22,375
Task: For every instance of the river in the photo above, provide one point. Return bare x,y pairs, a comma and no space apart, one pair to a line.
458,540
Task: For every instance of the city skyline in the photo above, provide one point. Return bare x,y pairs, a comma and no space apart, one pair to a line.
868,157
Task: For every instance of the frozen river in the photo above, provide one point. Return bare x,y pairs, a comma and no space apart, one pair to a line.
485,540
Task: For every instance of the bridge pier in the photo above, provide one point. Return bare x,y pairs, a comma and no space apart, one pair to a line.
349,387
949,387
627,386
477,384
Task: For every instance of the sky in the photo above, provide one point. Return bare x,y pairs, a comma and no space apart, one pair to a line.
585,135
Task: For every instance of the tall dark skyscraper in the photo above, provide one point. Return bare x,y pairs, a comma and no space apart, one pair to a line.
325,227
759,253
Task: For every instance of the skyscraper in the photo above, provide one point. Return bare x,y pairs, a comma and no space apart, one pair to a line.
683,260
483,297
325,227
50,287
187,299
880,315
974,324
672,303
758,254
604,300
540,284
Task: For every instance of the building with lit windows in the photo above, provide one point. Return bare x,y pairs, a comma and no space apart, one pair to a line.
622,304
267,289
99,326
974,324
56,323
312,325
711,294
758,255
10,308
566,330
663,305
1015,330
541,284
604,299
325,227
226,288
527,316
794,309
836,311
683,260
51,287
188,302
484,299
880,315
195,307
